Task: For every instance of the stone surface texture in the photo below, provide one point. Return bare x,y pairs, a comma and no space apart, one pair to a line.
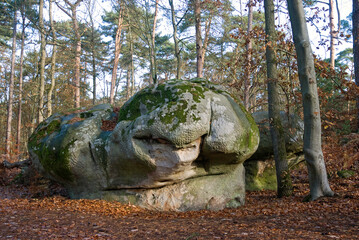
176,146
260,168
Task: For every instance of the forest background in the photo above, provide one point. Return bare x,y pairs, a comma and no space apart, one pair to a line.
70,54
62,56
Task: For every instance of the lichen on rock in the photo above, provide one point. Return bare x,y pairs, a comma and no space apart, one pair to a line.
176,146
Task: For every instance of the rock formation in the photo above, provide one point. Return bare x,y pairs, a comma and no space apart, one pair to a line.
176,146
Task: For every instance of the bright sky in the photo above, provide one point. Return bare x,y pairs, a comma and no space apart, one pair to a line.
345,7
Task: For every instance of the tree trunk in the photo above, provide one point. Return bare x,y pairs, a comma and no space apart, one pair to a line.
77,58
53,62
284,183
117,54
206,38
153,46
356,49
199,44
90,8
77,46
132,63
19,113
11,91
177,52
318,179
128,82
40,116
247,76
94,72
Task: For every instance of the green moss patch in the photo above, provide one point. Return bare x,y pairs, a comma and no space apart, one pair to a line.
169,98
44,129
56,161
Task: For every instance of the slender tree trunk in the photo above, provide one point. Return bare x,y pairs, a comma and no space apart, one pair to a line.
77,45
11,91
90,8
331,30
40,116
177,52
355,21
132,63
199,44
247,76
117,54
94,71
284,183
128,82
77,58
318,179
333,33
153,46
206,38
53,62
19,113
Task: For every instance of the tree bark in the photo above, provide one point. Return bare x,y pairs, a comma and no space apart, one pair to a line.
53,61
128,82
19,113
333,33
206,38
77,46
77,56
132,62
40,113
355,22
117,54
90,7
11,91
177,52
247,77
284,183
318,180
199,44
153,46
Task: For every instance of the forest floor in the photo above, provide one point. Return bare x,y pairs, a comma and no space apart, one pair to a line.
41,212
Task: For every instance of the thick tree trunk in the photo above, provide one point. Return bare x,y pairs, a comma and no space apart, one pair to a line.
40,116
247,76
117,54
356,49
53,62
19,113
199,44
318,179
11,91
177,52
284,183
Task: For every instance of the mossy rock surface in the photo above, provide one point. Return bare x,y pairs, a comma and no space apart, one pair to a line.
187,139
346,173
293,127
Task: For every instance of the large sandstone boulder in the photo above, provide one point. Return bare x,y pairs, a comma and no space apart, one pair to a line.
260,168
178,146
